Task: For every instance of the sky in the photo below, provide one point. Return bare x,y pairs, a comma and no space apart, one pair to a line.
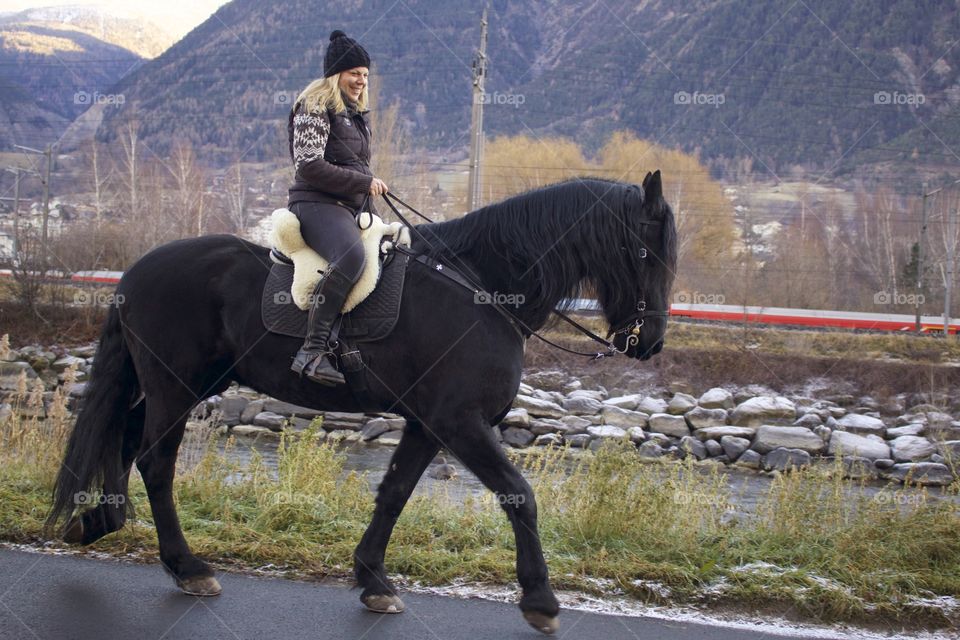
177,17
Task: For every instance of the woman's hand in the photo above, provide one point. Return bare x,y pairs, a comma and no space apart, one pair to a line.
378,187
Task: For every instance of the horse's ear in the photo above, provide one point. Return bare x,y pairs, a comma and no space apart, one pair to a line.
652,187
646,179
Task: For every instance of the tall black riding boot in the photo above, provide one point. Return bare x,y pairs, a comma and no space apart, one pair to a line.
312,359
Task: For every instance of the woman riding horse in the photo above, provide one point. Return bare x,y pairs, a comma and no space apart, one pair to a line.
329,141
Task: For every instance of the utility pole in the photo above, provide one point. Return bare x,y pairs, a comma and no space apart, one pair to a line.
923,239
46,199
16,210
476,118
951,241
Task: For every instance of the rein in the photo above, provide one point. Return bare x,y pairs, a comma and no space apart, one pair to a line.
631,329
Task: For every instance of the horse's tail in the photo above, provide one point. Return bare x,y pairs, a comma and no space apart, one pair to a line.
93,455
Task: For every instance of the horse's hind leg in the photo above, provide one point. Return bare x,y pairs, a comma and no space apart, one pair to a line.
477,449
415,451
111,514
165,424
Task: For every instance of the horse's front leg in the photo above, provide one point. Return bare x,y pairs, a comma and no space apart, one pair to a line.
473,443
415,451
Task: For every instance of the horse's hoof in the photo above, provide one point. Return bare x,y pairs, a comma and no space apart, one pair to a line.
73,534
201,586
542,622
383,603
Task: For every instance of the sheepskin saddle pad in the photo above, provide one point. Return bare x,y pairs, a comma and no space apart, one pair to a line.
297,269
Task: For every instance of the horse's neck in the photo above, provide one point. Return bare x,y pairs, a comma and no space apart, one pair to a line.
517,286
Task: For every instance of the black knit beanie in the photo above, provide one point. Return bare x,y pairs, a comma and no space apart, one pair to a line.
342,54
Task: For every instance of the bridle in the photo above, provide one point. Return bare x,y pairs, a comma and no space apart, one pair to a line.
630,328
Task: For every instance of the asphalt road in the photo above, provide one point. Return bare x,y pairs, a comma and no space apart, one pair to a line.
66,597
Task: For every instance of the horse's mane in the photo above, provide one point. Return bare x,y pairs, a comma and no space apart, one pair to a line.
529,236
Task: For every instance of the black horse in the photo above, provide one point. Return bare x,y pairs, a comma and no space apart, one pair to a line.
189,324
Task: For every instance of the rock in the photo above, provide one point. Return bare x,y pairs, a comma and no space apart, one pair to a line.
862,425
582,406
650,450
922,473
299,424
232,407
911,448
912,429
783,459
636,435
714,448
716,398
551,380
824,432
287,409
594,394
934,458
650,406
809,420
539,408
516,418
700,418
390,438
624,402
857,468
270,420
668,424
543,426
660,438
679,386
573,385
579,440
844,443
769,438
10,373
374,428
623,417
61,364
578,424
950,449
763,410
606,431
250,411
680,403
549,440
517,437
252,431
883,463
524,389
718,433
694,447
733,446
6,412
749,459
340,420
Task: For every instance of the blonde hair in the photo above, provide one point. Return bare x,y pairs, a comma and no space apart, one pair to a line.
324,93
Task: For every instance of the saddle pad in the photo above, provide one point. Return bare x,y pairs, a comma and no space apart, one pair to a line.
372,320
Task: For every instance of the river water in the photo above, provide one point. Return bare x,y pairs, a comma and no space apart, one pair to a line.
746,488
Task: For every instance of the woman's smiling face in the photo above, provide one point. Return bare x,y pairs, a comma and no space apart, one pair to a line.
353,81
